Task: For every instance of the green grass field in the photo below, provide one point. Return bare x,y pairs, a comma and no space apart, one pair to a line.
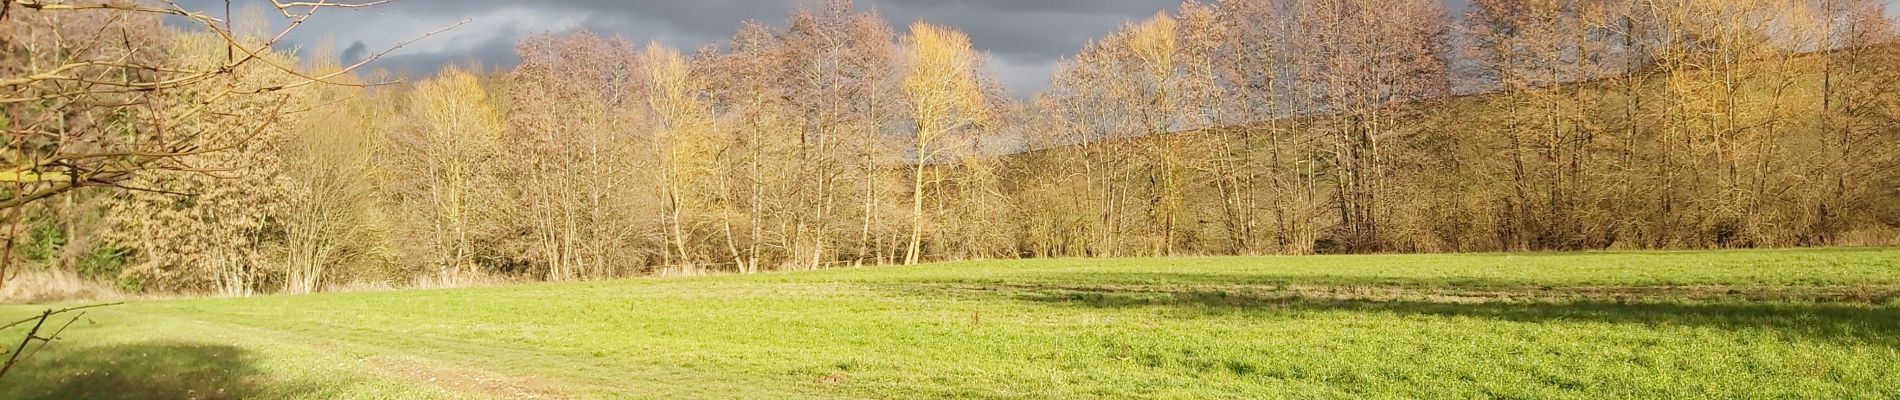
1739,324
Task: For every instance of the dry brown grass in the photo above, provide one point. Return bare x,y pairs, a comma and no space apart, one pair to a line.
1870,238
42,286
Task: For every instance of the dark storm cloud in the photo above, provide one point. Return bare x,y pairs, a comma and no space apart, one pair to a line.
1041,29
1026,33
1026,38
497,53
355,53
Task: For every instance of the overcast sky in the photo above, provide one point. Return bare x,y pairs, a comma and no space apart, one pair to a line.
1025,38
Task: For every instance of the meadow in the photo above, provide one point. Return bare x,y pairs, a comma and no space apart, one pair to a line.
1814,323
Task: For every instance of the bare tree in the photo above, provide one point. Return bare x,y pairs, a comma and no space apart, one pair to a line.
579,137
85,94
447,150
682,128
108,63
327,158
1359,61
944,98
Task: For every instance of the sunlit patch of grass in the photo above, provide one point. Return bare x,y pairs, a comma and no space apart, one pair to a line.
1757,324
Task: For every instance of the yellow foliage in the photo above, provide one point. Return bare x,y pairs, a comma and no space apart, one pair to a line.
447,152
941,87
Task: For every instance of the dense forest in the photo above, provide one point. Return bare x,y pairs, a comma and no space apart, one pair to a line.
210,158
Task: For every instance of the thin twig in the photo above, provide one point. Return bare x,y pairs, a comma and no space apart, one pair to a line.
57,312
34,334
49,338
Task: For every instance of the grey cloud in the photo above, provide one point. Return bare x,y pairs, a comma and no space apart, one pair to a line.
1093,7
1027,30
1029,34
1026,37
355,53
495,54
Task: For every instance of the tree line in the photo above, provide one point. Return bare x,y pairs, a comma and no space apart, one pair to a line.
1241,127
1294,127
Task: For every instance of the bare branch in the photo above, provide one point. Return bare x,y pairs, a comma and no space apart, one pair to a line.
33,334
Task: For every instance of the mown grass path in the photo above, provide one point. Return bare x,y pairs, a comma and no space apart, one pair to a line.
1755,324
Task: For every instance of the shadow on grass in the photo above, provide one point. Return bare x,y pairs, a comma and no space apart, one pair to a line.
1848,315
134,371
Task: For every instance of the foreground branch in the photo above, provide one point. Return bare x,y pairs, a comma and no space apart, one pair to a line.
19,353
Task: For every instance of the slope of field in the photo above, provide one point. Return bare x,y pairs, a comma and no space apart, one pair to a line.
1756,324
